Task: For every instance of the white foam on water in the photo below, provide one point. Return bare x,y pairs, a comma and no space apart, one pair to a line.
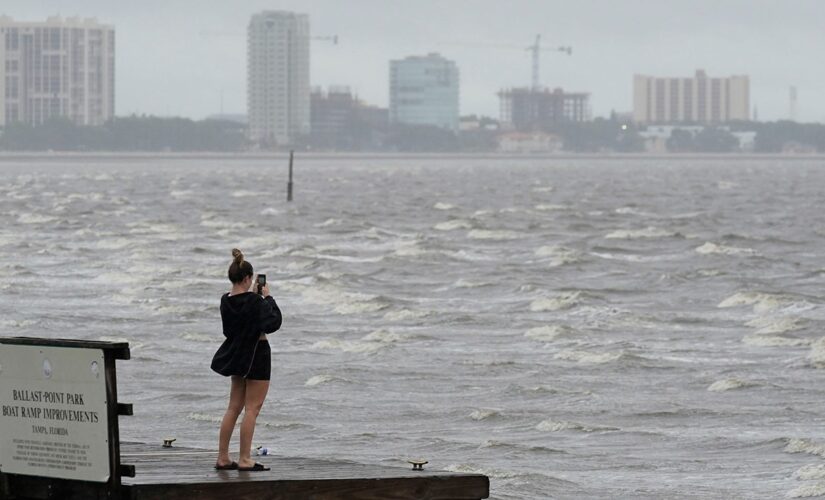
322,379
242,193
452,225
796,445
484,414
329,222
763,340
589,358
202,337
817,354
408,249
547,333
726,185
113,244
543,189
35,219
443,206
763,302
768,324
713,249
465,283
728,384
550,207
17,323
132,344
349,346
634,234
809,472
404,314
551,425
382,335
472,469
563,301
202,417
559,255
499,235
808,490
181,193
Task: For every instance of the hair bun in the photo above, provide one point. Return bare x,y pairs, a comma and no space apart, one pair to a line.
238,255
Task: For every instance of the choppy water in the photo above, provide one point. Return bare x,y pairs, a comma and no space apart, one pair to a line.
574,329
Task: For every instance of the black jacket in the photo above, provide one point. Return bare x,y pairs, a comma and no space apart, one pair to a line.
245,316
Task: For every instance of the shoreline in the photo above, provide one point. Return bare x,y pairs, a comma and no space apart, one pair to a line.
102,156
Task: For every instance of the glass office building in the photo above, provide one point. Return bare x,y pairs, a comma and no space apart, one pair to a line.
424,91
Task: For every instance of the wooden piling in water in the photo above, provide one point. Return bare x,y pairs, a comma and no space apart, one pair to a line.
289,184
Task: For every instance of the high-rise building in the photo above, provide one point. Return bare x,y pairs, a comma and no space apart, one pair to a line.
534,110
57,68
341,121
699,99
424,91
278,77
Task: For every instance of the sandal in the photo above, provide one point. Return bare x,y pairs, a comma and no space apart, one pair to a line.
255,468
230,466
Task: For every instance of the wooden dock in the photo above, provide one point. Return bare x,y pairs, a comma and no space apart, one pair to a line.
177,473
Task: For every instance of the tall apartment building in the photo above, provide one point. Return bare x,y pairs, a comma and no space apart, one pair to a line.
534,110
424,91
57,68
278,89
699,99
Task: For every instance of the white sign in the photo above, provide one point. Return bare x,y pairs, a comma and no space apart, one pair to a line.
53,419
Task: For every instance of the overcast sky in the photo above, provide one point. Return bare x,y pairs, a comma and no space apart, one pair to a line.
177,57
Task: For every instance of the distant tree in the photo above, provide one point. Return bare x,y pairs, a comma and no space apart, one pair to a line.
421,138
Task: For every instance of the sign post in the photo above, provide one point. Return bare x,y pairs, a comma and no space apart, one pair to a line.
59,413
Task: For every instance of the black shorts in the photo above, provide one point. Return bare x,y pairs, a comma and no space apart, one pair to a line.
261,362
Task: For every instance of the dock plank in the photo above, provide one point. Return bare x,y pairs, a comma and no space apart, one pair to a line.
179,472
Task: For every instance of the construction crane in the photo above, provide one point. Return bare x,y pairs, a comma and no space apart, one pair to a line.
535,48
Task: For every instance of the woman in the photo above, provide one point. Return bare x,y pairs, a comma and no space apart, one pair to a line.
245,357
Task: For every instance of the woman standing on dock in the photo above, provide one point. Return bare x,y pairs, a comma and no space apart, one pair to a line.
245,357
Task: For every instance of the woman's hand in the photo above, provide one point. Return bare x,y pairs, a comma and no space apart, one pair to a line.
265,290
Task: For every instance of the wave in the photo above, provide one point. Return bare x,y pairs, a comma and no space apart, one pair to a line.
349,346
452,225
808,490
563,301
762,340
729,384
202,417
35,219
559,255
329,222
713,249
634,234
547,333
817,354
783,324
764,302
500,235
549,207
317,380
404,314
551,425
797,445
483,414
443,206
201,337
808,472
592,358
465,283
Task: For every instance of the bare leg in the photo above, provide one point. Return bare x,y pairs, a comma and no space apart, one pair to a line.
255,394
237,396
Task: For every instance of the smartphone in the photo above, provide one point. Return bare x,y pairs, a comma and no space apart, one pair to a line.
261,282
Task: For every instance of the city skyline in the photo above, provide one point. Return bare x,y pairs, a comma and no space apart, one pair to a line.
611,42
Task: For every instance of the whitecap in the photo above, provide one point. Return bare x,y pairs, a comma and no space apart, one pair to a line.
796,445
728,384
349,346
443,206
713,249
403,314
584,357
317,380
559,255
817,354
201,337
384,336
762,302
809,472
776,325
563,301
547,333
202,417
551,425
762,340
452,225
483,414
633,234
472,469
35,219
808,490
550,207
543,189
329,222
485,234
